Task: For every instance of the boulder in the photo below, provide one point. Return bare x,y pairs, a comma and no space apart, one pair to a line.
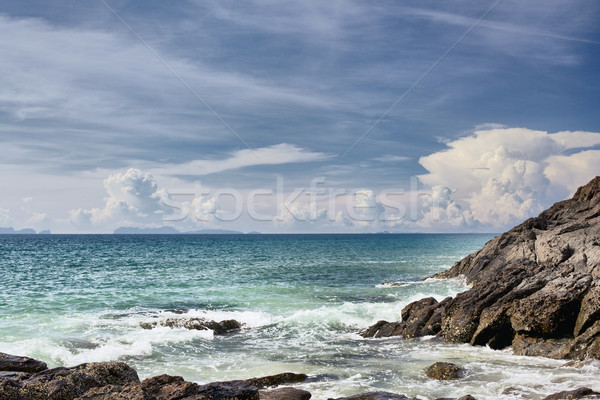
444,371
9,362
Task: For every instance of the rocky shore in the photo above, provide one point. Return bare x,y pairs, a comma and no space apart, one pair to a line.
24,378
535,288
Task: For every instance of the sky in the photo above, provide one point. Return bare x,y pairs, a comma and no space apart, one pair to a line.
339,116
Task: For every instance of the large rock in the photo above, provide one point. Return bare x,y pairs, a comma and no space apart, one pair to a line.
535,287
65,383
285,393
9,362
444,371
581,393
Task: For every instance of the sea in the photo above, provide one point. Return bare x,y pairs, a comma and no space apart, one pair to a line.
302,299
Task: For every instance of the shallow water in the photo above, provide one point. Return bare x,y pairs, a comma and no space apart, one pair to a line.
78,298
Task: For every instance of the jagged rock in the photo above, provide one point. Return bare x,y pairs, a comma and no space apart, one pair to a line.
235,390
284,393
376,396
199,324
420,318
116,392
66,383
581,393
9,362
166,387
535,287
275,380
444,371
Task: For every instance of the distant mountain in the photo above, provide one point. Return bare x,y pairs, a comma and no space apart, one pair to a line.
44,232
12,231
167,230
130,230
253,233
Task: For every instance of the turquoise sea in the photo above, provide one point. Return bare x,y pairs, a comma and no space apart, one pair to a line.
69,299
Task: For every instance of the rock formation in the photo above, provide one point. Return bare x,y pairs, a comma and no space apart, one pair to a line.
535,287
199,324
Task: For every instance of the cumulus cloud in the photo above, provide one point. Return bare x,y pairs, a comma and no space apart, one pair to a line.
501,176
133,198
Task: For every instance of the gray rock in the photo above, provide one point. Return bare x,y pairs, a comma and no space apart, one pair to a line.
535,287
284,393
444,371
581,393
9,362
376,396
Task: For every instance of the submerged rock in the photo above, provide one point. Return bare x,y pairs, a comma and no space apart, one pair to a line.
535,287
444,371
199,324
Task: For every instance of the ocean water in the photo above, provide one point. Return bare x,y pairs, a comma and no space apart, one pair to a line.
69,299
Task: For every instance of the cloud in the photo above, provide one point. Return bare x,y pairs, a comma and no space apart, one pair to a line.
391,158
501,176
282,153
133,198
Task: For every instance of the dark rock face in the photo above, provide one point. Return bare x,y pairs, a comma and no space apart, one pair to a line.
199,324
22,364
443,371
535,287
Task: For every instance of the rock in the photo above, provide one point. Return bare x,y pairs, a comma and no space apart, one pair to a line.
444,371
199,324
467,397
375,396
116,392
420,318
234,390
275,380
21,364
535,288
581,393
66,383
166,387
284,393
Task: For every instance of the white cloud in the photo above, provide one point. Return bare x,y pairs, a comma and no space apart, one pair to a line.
502,176
133,198
391,158
4,217
282,153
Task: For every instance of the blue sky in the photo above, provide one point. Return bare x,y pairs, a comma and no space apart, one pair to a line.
121,112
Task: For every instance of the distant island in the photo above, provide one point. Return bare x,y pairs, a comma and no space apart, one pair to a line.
167,230
26,231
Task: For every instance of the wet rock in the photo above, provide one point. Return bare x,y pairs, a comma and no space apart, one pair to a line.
444,371
467,397
376,396
9,362
535,288
581,393
199,324
284,393
235,390
66,383
116,392
275,380
164,387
